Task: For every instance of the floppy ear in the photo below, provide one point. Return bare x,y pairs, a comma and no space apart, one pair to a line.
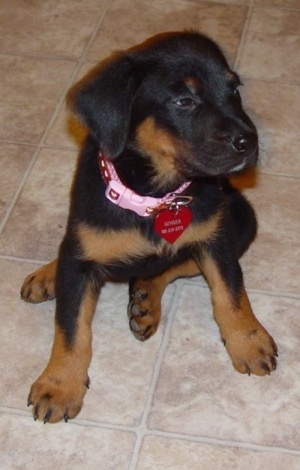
102,100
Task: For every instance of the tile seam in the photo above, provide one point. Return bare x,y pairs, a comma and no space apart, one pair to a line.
163,434
223,442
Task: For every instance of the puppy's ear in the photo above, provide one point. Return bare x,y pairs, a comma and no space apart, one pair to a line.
102,100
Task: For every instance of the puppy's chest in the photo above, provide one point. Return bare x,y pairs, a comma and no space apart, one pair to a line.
108,246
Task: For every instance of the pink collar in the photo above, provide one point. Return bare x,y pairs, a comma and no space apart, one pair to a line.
124,197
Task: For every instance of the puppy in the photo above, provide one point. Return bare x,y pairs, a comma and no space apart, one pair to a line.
150,203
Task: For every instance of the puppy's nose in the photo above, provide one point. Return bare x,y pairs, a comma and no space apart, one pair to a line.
244,143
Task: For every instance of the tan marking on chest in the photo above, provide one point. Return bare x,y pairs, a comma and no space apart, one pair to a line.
202,232
105,247
108,246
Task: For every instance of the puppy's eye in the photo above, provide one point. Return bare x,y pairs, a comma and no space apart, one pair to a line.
185,102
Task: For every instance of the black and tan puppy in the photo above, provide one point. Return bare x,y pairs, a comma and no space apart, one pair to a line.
150,203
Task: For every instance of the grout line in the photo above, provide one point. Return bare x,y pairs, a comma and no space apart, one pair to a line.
289,295
269,293
37,55
223,443
244,35
142,429
45,145
17,259
274,173
34,158
19,189
67,58
276,81
248,19
26,413
96,30
161,434
277,7
17,142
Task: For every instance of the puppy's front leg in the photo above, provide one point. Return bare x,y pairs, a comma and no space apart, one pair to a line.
58,393
251,348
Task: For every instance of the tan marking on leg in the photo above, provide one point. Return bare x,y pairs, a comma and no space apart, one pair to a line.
58,393
188,268
40,285
251,348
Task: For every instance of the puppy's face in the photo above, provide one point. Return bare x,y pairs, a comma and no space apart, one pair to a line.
187,113
175,102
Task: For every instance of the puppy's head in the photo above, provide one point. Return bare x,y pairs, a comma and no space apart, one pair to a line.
175,101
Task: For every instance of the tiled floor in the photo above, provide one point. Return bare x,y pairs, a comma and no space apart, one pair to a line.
172,403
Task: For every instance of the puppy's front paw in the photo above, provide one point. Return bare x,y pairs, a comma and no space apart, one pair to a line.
252,352
57,396
144,310
40,285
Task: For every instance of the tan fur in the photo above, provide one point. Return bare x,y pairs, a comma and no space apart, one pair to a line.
65,378
108,246
203,232
192,83
247,342
40,285
163,149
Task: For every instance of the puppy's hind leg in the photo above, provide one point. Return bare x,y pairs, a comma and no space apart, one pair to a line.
40,285
144,310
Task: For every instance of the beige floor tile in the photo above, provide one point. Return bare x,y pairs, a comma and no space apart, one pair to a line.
160,454
29,445
272,262
14,161
121,369
30,90
37,224
54,28
271,50
200,393
27,334
154,17
278,125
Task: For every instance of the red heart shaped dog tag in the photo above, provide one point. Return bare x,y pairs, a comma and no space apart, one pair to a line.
170,224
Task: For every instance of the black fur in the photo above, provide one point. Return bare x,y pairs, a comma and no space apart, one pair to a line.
112,101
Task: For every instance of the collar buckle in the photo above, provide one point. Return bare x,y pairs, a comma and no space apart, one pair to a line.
124,197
